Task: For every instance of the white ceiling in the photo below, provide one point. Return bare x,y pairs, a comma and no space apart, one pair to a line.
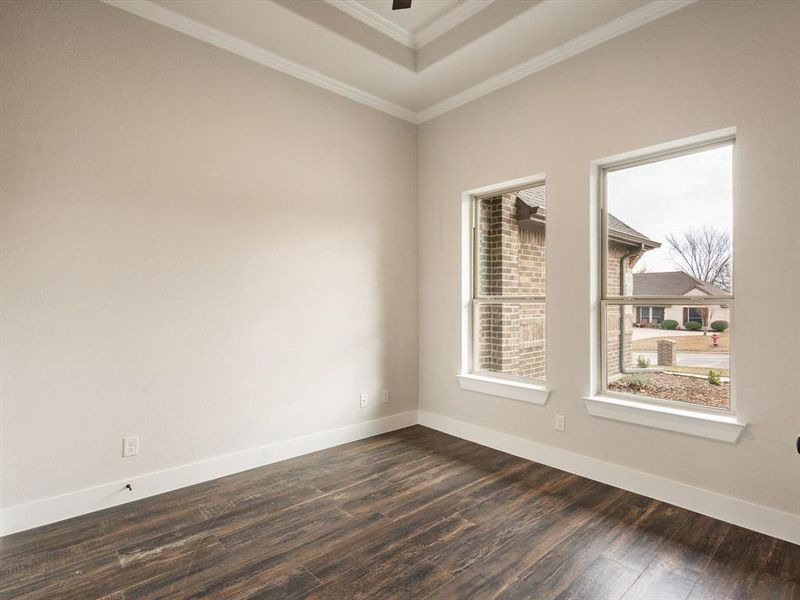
415,63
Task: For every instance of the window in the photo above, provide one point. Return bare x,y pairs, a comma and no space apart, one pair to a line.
649,315
666,276
508,284
695,314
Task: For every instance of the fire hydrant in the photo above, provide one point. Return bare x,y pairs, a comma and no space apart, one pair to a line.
715,339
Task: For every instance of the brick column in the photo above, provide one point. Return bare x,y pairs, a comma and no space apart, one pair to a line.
666,352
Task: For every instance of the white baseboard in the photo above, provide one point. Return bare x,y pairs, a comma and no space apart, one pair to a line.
752,516
726,508
57,508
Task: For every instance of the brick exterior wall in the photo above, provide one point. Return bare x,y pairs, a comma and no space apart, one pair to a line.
620,318
512,261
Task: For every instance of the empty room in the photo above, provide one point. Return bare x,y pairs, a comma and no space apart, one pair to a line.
411,299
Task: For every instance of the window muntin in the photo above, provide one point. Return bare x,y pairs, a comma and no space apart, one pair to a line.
508,300
650,208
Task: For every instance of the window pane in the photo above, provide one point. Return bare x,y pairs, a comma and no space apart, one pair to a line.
511,339
511,244
670,361
670,226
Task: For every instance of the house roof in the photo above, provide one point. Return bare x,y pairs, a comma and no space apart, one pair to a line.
618,230
671,283
535,197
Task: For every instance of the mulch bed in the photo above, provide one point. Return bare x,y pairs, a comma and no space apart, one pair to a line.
679,387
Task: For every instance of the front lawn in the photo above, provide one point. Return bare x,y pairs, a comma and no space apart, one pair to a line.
686,343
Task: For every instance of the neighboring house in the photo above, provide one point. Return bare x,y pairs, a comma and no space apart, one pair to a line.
676,283
512,262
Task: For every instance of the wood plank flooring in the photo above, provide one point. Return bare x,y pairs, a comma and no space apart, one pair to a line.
410,514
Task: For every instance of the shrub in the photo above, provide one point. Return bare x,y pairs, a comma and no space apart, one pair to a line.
669,324
719,326
642,362
713,378
636,381
693,326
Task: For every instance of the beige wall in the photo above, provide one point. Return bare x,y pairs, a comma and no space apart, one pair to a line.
195,250
716,313
710,66
214,256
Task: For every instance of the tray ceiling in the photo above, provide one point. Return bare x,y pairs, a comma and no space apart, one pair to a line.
416,63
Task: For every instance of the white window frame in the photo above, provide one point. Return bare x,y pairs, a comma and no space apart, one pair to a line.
471,378
679,416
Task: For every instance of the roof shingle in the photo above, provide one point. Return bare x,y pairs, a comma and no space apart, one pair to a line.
671,283
537,196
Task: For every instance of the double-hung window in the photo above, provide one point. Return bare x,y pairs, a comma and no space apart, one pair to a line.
666,298
508,285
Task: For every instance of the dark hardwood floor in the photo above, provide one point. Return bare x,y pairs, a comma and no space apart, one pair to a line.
410,514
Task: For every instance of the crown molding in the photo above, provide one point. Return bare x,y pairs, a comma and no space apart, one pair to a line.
168,18
449,20
426,35
619,26
358,11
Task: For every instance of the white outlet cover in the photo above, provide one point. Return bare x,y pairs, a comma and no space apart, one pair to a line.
385,396
364,400
560,422
130,446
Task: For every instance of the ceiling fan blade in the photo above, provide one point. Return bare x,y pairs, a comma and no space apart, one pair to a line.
400,4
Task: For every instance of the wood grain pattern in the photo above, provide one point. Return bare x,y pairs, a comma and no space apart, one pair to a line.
409,514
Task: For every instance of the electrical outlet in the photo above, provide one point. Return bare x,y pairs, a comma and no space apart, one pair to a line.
130,445
560,422
364,400
385,397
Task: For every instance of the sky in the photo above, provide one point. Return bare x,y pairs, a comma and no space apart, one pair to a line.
672,196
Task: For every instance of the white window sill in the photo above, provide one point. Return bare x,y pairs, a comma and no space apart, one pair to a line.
523,392
720,427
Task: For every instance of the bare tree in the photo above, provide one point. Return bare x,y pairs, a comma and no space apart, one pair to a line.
703,253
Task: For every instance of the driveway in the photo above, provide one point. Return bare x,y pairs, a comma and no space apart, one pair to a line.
712,360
